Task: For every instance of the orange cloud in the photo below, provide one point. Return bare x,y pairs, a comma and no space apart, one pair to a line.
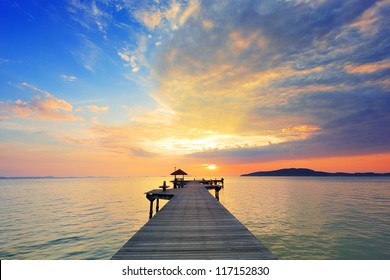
51,104
220,96
95,108
302,129
370,18
120,140
192,9
173,14
208,24
81,141
240,42
173,11
27,159
44,106
368,68
149,19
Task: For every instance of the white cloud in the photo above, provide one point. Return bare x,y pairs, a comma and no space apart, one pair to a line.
69,78
88,54
131,59
89,15
28,86
135,58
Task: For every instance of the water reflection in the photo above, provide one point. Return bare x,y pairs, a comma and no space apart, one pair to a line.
297,218
71,218
314,218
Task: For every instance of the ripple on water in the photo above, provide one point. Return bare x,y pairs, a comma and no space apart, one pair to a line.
296,218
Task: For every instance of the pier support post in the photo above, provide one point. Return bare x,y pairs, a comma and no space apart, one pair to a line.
217,189
151,209
157,205
151,198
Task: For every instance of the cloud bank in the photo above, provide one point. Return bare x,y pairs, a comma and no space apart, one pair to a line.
313,75
43,106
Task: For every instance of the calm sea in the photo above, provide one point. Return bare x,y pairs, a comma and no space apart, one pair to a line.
296,218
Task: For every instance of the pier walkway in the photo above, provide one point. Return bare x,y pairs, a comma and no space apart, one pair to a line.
192,225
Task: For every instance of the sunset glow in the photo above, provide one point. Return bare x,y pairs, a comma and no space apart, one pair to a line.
211,166
135,88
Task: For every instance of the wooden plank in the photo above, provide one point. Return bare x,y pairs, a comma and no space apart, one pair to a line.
193,225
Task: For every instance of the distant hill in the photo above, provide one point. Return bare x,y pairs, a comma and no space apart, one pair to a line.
311,173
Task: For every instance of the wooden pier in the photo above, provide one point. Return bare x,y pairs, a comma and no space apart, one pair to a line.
192,225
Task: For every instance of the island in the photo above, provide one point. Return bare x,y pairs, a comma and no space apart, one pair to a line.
312,173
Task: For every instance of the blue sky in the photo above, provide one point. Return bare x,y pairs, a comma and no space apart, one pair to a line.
116,87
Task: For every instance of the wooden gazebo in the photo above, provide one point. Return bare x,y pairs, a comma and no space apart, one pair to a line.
178,172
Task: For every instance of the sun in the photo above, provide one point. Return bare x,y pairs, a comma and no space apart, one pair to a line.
212,166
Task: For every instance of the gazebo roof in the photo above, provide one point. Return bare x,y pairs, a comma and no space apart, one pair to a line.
179,172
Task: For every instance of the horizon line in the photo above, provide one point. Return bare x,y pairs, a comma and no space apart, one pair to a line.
134,176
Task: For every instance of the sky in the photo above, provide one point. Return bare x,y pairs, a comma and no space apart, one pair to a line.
137,88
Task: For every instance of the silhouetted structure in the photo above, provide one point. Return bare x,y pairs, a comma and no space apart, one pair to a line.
178,182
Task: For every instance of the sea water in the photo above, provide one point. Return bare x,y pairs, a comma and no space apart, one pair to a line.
295,217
